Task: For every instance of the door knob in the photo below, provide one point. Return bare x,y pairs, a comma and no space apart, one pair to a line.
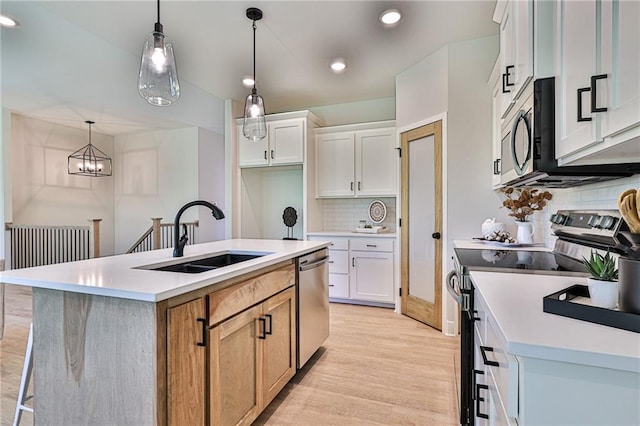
435,235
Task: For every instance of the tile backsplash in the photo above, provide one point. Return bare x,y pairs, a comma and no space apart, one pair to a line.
343,214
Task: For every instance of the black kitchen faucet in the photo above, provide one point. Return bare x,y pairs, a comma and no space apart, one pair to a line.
180,242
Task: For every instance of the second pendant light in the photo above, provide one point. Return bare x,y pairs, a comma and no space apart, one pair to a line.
255,126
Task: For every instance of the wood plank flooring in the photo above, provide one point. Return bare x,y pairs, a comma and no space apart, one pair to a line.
376,368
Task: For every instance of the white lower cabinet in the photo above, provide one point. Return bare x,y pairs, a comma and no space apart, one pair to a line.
360,269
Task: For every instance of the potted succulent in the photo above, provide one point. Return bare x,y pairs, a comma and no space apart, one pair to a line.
603,284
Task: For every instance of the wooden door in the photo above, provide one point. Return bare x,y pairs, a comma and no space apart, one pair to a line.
235,360
186,363
279,346
421,231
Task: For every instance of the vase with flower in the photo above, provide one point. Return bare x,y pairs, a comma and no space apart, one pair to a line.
523,202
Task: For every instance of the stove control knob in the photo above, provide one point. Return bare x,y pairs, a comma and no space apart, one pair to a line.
553,217
594,221
608,222
560,219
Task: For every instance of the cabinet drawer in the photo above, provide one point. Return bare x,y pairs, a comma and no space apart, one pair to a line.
371,244
337,243
232,300
338,261
502,367
339,286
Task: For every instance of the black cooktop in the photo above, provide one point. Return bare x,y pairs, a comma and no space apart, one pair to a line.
534,262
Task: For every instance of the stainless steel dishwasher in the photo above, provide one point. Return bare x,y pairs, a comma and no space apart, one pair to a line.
313,303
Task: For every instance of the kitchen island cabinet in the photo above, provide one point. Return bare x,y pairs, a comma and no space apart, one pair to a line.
541,368
115,343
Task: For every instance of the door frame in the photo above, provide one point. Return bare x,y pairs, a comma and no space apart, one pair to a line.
449,308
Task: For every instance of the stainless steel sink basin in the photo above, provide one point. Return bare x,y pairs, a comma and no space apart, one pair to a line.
196,266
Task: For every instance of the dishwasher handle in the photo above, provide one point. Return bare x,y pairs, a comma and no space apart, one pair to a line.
305,265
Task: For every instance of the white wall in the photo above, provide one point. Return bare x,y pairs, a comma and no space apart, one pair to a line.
421,90
42,191
453,83
211,184
5,176
357,112
156,173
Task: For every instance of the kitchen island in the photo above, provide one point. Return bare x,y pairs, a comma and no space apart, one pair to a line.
116,342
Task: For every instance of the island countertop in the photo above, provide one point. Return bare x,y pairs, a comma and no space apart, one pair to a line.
120,276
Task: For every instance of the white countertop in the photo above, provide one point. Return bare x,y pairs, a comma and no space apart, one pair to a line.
515,302
352,234
117,276
483,245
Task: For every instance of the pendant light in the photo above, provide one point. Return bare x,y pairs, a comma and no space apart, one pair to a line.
158,78
255,125
89,160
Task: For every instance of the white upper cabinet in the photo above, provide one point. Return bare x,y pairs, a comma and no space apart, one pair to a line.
336,164
598,85
356,163
621,63
495,83
284,144
516,49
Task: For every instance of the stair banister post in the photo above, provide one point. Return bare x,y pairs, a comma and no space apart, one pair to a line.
156,232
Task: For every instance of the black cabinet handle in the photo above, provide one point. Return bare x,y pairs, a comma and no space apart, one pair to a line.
483,352
203,322
263,323
475,318
359,188
474,380
331,261
372,245
436,235
504,84
265,155
331,285
272,154
508,73
353,262
352,186
496,166
269,331
479,400
594,93
580,92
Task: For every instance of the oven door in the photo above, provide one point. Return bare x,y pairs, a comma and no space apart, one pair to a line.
517,148
461,290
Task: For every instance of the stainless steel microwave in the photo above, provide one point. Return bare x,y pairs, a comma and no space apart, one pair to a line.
528,146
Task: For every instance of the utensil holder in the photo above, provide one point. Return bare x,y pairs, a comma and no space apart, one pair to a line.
629,285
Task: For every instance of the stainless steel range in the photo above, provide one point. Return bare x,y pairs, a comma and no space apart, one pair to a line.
577,231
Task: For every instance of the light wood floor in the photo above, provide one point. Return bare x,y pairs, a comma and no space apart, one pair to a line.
376,368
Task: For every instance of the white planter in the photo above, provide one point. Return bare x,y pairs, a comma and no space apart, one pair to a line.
604,294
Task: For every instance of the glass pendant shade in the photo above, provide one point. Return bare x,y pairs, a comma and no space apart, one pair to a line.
255,125
89,160
158,79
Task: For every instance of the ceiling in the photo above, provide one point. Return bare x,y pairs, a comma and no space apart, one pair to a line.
71,61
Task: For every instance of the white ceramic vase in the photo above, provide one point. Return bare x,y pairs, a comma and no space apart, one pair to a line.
525,232
603,294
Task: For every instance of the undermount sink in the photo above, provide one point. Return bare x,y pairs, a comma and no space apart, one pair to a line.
196,266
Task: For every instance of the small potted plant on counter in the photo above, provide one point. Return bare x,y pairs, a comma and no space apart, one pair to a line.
603,284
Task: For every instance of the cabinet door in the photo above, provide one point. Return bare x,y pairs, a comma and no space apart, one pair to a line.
234,366
621,63
576,50
186,364
376,164
335,165
250,153
496,130
371,276
286,141
507,55
523,44
279,346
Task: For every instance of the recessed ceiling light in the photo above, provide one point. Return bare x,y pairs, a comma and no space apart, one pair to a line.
248,81
390,16
7,21
338,65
